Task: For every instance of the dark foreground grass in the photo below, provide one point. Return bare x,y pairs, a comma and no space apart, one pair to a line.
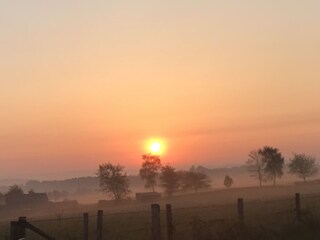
264,220
195,229
189,225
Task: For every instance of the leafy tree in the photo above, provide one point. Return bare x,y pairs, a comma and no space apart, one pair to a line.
303,165
113,180
169,180
256,166
228,181
194,180
274,161
150,170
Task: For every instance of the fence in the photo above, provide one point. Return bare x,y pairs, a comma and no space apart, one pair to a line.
167,224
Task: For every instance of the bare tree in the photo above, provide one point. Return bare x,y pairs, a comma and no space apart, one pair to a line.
169,180
255,165
303,165
150,170
113,180
274,162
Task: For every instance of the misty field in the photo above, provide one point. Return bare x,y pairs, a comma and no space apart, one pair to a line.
269,214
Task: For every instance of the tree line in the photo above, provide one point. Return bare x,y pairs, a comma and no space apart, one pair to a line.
114,181
267,164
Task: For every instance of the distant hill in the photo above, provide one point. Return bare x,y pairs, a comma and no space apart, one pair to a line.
73,185
213,171
5,183
9,182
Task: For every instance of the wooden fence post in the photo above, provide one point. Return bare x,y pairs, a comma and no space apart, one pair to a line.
156,224
298,207
85,226
99,224
18,229
170,228
240,210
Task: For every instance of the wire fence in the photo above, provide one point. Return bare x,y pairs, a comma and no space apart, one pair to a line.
186,221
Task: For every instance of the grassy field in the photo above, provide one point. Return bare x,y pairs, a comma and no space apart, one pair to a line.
269,214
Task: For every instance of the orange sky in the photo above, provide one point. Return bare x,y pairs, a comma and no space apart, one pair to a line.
87,82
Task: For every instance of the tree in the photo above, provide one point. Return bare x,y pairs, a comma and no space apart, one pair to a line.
113,180
255,165
303,165
228,181
194,180
14,192
150,170
273,161
169,179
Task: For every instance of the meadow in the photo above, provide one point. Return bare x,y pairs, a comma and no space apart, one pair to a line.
269,213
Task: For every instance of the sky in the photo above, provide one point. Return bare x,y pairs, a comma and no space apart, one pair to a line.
87,82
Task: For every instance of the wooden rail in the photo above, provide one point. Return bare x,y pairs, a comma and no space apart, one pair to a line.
18,230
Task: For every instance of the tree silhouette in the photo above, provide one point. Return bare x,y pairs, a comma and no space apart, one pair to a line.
303,165
228,181
113,180
273,161
194,180
15,192
150,170
256,166
169,180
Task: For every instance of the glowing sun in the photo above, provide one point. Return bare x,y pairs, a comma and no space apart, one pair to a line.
155,147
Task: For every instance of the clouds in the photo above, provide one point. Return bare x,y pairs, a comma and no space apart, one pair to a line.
274,123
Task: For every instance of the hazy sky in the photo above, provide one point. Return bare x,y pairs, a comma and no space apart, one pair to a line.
83,82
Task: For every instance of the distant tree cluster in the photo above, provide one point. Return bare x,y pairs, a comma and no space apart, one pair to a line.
14,192
194,180
115,182
173,181
267,163
169,178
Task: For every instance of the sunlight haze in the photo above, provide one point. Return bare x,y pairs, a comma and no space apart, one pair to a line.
83,82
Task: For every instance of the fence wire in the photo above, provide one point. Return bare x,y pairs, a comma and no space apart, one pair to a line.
137,224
